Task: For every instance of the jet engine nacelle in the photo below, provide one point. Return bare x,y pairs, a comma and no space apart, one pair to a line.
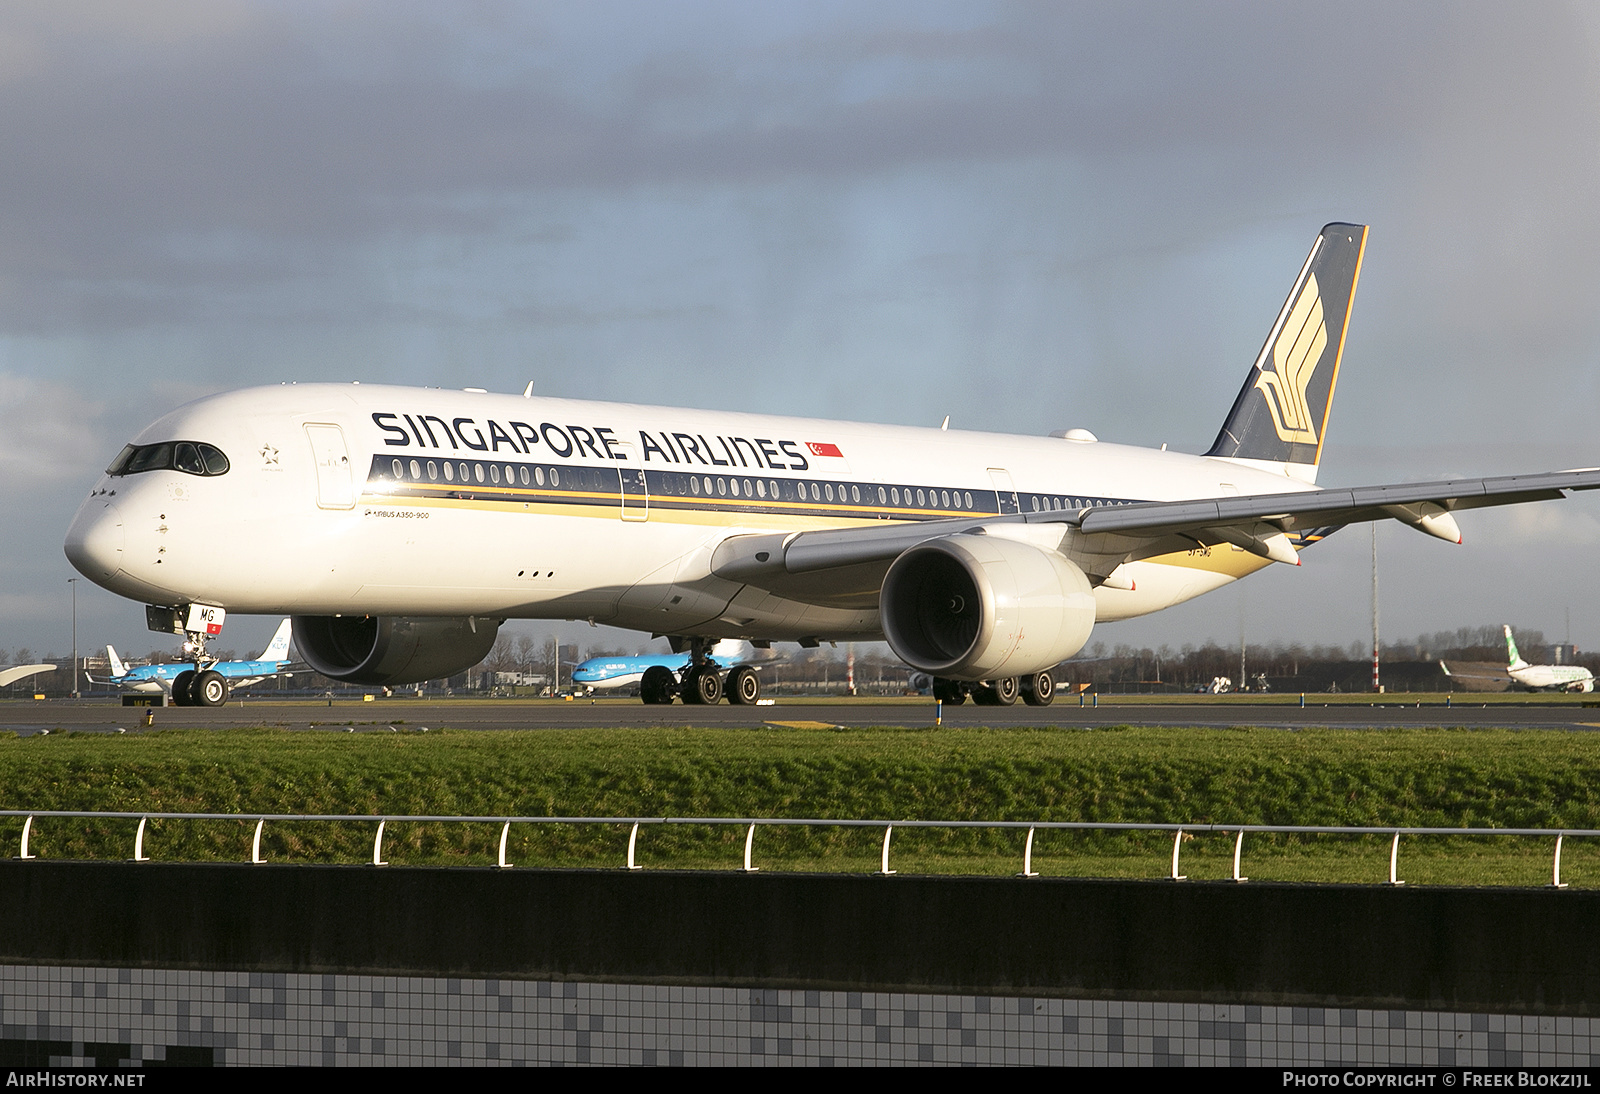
977,607
392,650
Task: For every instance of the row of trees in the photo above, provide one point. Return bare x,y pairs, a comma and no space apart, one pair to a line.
1408,665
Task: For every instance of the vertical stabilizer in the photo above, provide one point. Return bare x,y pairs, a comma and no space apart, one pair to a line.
1281,414
278,648
1513,658
118,669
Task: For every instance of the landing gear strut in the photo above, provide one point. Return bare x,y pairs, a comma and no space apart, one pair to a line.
702,680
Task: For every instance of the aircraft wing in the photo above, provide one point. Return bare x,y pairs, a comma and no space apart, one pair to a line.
19,672
848,563
1499,677
1411,503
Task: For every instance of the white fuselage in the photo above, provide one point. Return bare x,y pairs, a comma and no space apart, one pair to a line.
1553,677
376,500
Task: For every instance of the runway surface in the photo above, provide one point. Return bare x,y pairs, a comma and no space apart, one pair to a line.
102,715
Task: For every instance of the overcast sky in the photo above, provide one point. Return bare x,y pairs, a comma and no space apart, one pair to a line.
1028,216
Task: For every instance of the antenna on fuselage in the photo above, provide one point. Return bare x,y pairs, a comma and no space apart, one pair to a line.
946,423
527,392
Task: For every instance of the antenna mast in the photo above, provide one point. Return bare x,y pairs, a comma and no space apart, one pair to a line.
1376,686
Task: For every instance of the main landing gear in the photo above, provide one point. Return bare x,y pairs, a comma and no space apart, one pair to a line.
701,681
1038,690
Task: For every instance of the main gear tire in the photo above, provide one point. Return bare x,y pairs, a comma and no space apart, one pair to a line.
703,686
657,685
209,689
743,686
1039,690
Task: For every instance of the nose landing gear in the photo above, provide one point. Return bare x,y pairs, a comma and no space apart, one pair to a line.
210,689
200,688
203,685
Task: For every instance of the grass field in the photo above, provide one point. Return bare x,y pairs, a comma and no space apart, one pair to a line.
1423,778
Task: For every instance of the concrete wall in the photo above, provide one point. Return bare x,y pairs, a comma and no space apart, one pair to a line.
1526,951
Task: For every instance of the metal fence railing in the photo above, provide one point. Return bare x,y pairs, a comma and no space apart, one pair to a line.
750,824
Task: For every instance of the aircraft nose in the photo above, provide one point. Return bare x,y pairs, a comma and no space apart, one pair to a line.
95,540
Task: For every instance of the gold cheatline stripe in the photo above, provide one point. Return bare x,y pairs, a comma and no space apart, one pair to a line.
721,517
1350,306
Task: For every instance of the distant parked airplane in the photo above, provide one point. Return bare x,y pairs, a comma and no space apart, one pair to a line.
209,688
1534,677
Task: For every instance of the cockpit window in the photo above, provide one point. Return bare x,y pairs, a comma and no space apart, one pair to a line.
190,457
216,462
152,457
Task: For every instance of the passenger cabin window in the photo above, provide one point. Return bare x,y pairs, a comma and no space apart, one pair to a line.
190,457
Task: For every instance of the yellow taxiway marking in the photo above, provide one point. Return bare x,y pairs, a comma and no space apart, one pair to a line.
803,725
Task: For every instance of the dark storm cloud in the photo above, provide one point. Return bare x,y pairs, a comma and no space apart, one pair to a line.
293,134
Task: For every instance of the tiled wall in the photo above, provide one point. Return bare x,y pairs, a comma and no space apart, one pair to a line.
88,1015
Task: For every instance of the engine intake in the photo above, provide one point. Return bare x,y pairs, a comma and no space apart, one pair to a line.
977,607
392,650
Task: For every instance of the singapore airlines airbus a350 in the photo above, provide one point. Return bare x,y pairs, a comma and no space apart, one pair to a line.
402,526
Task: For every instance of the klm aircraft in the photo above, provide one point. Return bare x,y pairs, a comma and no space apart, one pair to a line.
659,676
209,688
